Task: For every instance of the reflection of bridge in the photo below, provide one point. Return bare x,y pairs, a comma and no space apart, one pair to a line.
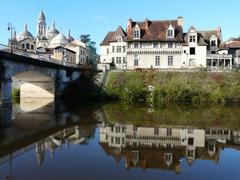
51,127
42,76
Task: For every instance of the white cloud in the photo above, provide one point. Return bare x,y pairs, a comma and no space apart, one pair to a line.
101,18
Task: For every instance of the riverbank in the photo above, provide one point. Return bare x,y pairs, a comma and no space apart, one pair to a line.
174,87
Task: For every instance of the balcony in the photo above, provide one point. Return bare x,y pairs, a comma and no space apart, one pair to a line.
219,56
154,51
214,61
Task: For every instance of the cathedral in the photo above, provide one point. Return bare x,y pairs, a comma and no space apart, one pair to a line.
46,38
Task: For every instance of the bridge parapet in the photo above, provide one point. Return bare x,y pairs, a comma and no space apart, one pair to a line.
40,57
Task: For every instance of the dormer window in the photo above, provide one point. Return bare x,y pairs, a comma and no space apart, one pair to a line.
192,38
119,39
213,43
137,32
170,32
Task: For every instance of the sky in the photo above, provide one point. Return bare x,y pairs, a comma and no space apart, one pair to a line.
97,17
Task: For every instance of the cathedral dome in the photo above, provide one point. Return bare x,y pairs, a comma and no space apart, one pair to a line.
53,32
25,34
59,40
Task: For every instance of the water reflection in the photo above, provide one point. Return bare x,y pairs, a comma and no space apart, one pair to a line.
163,147
133,138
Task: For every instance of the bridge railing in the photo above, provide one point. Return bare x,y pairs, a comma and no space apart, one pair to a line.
34,55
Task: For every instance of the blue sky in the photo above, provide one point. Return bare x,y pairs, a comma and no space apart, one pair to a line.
97,17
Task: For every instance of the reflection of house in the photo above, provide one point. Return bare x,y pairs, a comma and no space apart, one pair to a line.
163,147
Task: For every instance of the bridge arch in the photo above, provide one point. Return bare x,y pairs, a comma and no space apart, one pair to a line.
34,84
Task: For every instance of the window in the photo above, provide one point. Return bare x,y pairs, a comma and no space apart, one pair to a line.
192,62
113,49
170,45
119,49
117,140
157,61
190,141
118,129
124,60
155,45
119,60
123,129
119,39
170,33
192,38
107,51
136,34
213,43
170,60
32,47
136,45
129,45
156,131
192,51
169,132
190,153
135,62
124,48
23,46
27,46
113,60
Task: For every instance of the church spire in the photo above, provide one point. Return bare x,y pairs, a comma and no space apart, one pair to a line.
41,17
53,25
25,27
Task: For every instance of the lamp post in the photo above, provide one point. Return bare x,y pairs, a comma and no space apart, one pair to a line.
10,28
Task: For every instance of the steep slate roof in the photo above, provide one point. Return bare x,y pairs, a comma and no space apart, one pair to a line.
233,44
118,32
207,34
155,30
204,36
111,36
107,39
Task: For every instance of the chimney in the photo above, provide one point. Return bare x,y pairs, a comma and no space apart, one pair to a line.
146,23
180,21
129,25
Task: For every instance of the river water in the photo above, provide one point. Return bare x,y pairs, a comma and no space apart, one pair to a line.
41,139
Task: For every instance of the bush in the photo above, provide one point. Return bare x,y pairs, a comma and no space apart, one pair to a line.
174,87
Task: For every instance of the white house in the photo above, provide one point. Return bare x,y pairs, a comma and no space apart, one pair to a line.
163,45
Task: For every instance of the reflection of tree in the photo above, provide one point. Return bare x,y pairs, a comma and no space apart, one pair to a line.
203,116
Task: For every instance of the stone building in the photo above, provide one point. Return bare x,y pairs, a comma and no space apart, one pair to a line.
163,45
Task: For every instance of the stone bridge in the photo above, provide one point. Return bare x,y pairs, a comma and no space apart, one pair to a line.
38,77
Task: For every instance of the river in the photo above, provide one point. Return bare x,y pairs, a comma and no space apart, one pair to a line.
42,139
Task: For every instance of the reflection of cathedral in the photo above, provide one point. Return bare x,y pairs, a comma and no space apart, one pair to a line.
70,136
163,147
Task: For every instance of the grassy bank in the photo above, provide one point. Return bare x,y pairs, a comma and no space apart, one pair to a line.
173,87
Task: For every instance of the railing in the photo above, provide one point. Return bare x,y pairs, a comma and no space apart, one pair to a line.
41,57
219,56
155,51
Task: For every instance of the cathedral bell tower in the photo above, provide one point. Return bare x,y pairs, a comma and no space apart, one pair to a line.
41,26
